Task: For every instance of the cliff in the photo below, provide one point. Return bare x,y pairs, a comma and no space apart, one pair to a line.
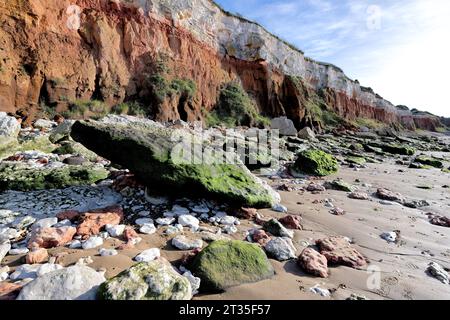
120,48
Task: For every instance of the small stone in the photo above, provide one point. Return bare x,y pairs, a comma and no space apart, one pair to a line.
115,230
75,244
436,220
357,195
228,221
22,223
36,256
148,255
44,223
71,215
25,271
260,237
107,252
281,249
189,221
306,134
438,272
92,242
165,221
183,243
247,213
18,251
279,208
143,221
314,187
388,195
337,211
275,228
194,281
389,237
4,249
147,228
291,222
320,291
229,229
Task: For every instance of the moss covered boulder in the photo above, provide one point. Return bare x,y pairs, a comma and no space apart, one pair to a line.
315,162
428,161
155,280
225,264
394,148
21,178
340,185
176,161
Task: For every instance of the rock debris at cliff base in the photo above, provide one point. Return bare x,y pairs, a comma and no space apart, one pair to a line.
123,236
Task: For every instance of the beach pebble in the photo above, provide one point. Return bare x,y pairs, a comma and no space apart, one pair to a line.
143,221
115,230
281,249
148,228
279,208
18,251
148,255
165,221
437,271
75,244
183,243
92,242
389,236
107,252
189,221
320,291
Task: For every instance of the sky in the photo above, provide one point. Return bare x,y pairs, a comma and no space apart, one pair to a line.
400,48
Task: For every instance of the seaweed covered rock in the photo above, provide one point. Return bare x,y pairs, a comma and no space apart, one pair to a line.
224,264
174,160
315,162
340,185
427,161
394,148
21,178
154,280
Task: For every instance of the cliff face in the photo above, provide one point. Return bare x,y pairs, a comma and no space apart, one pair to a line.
119,45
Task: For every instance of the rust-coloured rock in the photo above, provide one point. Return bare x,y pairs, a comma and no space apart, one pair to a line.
36,256
95,220
313,262
339,251
51,237
292,222
261,237
247,213
10,291
71,215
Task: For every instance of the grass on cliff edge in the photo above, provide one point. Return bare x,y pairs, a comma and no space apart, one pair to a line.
235,108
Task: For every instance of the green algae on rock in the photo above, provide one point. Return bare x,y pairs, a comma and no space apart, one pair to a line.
429,162
224,264
20,178
154,280
156,154
315,162
340,185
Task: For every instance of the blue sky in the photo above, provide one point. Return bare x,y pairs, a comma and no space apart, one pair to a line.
399,48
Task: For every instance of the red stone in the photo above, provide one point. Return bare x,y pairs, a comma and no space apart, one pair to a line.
95,220
51,237
292,222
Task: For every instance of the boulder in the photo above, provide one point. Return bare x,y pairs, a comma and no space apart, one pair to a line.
73,283
225,264
154,280
148,255
284,125
313,262
307,134
281,249
315,162
51,237
92,222
339,251
161,157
